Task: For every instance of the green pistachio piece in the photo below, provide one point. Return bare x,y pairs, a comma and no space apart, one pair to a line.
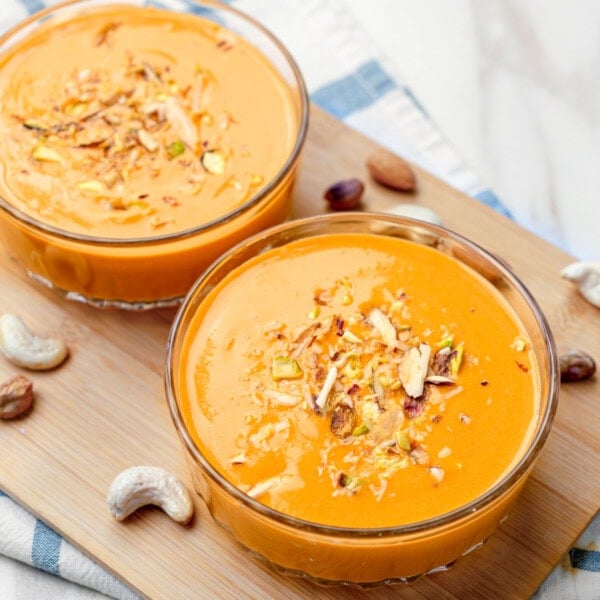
91,186
34,125
175,149
456,359
284,367
446,342
352,368
351,482
360,430
45,154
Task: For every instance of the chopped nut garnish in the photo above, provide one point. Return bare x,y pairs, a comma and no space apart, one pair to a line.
262,487
175,149
379,394
147,140
115,128
213,161
342,420
46,154
321,400
413,369
437,473
91,186
382,323
284,367
520,344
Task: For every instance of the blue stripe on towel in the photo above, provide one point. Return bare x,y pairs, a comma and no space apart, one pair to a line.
32,6
45,548
409,93
586,560
355,91
488,197
3,495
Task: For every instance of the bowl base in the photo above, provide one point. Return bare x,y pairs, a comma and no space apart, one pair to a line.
107,304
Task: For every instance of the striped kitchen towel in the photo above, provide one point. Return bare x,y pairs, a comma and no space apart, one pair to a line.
348,78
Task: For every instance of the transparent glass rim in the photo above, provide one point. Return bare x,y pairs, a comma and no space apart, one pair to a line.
264,193
514,475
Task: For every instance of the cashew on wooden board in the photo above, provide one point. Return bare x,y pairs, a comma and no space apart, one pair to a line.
24,349
586,274
142,485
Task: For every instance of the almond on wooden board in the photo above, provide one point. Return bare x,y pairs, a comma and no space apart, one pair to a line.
390,170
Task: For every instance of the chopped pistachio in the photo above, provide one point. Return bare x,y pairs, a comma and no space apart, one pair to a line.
314,313
34,125
284,367
456,359
213,161
360,430
175,149
378,388
351,483
370,413
403,440
446,342
46,154
91,186
352,368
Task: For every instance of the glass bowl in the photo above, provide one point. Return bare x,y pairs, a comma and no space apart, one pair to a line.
372,555
152,267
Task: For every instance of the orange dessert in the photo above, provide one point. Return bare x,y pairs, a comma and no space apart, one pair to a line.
367,392
357,382
134,127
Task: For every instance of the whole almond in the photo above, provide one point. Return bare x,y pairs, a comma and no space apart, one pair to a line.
16,397
390,170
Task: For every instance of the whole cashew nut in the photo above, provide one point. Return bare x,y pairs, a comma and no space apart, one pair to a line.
142,485
586,274
24,349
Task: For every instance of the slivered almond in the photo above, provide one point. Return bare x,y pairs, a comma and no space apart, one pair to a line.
413,369
384,326
321,400
262,487
282,399
147,140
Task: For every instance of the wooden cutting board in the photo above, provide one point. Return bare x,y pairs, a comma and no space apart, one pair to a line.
105,410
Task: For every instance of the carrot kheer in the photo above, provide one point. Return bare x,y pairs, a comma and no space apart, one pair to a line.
358,380
127,122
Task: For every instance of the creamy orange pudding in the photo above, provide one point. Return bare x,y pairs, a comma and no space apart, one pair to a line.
136,139
359,381
122,123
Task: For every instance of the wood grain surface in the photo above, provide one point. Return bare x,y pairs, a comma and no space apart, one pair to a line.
105,410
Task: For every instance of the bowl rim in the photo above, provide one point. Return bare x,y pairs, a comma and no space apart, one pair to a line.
508,480
285,170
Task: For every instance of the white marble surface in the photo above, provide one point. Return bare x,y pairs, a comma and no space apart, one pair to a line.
515,86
